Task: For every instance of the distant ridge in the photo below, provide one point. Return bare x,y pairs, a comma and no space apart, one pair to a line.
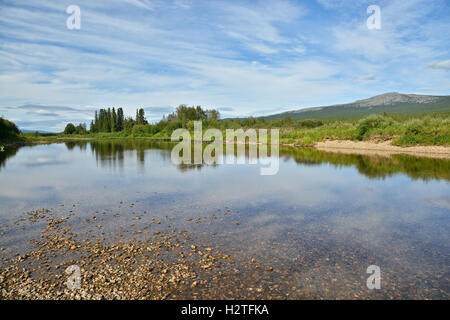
32,131
391,102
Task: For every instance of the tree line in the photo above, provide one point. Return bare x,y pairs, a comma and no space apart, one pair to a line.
108,120
113,121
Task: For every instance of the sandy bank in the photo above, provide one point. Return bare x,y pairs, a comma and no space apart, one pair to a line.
382,148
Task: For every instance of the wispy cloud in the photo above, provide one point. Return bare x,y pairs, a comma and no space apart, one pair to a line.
444,65
140,4
370,77
434,89
338,4
40,108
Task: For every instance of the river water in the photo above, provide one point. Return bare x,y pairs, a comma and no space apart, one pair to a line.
316,226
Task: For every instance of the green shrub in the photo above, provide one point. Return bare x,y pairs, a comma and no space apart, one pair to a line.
374,121
309,123
414,127
425,131
139,130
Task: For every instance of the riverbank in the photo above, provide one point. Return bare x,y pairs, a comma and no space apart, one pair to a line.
368,147
385,148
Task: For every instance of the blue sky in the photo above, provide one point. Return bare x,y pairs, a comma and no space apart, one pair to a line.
241,57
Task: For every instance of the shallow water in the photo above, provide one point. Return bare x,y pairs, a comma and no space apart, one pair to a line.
319,223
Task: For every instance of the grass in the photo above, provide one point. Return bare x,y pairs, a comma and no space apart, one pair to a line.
406,131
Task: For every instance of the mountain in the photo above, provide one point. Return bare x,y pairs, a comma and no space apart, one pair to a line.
33,131
391,102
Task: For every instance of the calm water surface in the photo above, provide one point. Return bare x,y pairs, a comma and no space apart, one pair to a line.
320,222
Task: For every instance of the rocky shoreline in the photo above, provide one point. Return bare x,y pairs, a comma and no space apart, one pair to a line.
156,267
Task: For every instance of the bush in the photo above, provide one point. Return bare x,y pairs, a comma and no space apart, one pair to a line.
414,127
309,123
371,122
139,130
426,131
171,126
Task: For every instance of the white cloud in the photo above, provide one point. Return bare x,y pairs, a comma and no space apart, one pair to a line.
435,89
140,4
444,65
258,26
332,4
370,77
183,4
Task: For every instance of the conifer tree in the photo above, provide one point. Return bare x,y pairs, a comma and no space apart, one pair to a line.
113,120
120,119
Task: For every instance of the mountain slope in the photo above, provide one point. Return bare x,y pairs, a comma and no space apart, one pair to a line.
392,103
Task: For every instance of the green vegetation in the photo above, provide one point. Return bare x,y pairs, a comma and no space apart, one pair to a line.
79,129
9,131
432,129
404,131
110,121
109,124
70,129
